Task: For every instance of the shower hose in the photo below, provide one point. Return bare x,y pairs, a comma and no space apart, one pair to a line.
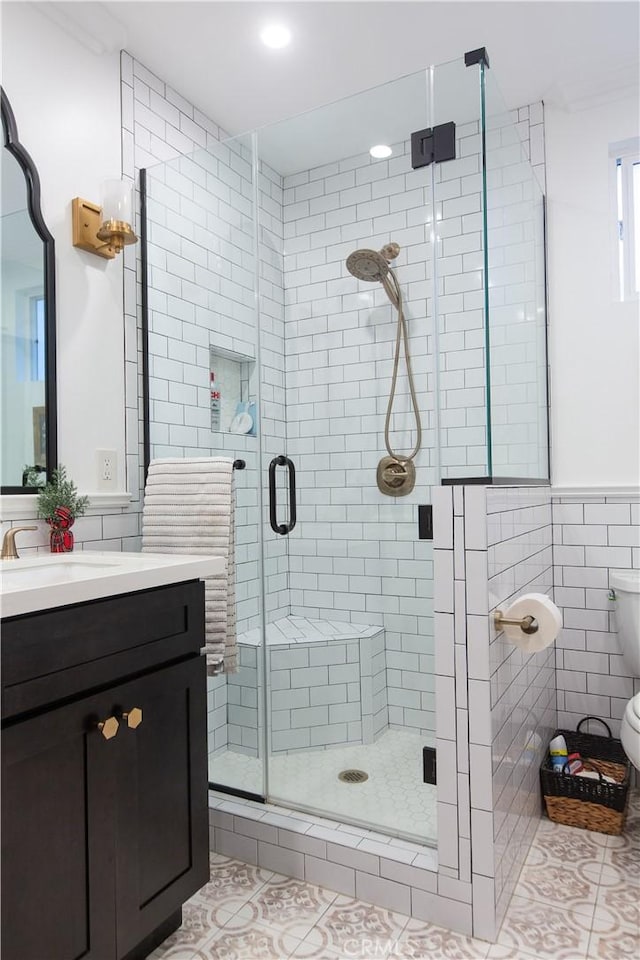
394,293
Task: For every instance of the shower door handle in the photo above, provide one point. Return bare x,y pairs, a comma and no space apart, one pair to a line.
282,528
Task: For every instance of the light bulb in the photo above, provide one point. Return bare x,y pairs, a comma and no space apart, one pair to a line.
381,151
117,201
276,36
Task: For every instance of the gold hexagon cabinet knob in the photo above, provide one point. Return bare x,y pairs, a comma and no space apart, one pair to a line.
133,717
108,728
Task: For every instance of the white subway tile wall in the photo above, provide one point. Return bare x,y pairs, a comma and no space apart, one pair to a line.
201,283
517,310
355,554
592,536
521,688
496,706
101,528
517,361
461,307
201,294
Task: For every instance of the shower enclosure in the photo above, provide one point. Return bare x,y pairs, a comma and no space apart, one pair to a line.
262,346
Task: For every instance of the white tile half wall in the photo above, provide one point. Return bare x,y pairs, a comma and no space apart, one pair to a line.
592,536
495,706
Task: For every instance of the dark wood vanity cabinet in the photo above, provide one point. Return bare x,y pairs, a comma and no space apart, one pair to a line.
104,839
162,816
58,848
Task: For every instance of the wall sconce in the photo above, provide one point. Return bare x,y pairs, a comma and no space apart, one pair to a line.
105,230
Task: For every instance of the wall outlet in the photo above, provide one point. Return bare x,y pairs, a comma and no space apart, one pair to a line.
107,467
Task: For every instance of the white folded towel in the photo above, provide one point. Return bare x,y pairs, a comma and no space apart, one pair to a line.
189,507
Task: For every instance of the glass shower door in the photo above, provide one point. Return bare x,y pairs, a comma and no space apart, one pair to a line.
204,394
349,642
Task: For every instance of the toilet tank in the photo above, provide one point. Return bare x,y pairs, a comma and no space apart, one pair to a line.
626,584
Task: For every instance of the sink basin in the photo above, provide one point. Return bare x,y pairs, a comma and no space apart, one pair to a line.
54,580
25,574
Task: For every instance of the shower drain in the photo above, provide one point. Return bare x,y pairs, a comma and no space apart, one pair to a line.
353,776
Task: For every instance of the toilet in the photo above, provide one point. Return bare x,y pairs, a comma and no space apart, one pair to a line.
626,584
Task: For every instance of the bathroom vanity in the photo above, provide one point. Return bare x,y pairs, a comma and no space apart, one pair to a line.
104,755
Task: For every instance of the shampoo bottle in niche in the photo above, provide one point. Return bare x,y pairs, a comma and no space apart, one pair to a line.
558,751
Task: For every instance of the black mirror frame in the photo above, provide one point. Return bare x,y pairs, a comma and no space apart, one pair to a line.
13,145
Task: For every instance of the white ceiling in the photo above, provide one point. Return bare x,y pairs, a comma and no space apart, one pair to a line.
212,54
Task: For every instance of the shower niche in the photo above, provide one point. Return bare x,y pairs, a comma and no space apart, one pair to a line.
232,393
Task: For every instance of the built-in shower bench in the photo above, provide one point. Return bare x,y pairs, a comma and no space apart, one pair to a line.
327,683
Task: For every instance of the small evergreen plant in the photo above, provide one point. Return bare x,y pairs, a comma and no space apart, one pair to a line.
61,492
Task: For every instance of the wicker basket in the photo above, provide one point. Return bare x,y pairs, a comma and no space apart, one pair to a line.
580,801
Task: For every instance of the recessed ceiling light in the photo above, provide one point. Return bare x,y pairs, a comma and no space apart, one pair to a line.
276,36
381,151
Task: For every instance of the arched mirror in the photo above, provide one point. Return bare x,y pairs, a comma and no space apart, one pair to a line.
28,451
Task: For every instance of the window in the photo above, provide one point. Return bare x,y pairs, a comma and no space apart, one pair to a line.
36,305
626,158
31,338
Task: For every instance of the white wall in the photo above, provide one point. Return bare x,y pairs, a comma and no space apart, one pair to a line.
594,341
66,101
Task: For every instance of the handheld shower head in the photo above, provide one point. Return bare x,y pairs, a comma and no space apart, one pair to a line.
372,264
367,265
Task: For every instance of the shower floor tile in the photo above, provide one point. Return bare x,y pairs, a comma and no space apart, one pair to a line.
393,800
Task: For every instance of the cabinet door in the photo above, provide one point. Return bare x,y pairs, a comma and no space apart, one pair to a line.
58,806
162,806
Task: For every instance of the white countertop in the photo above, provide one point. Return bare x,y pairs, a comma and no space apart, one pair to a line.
39,583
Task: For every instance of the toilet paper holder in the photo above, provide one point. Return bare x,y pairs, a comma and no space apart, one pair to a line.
527,624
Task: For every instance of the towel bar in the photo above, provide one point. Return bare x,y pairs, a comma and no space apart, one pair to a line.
239,464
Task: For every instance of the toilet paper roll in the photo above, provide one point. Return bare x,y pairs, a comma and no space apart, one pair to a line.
548,618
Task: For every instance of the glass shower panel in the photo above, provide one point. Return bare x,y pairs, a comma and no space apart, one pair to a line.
349,652
204,393
516,294
460,276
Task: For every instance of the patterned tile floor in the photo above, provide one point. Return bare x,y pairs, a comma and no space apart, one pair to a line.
578,897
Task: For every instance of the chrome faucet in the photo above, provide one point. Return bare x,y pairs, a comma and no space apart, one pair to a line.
9,551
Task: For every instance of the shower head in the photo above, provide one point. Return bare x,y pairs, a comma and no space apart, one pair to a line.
372,264
367,265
